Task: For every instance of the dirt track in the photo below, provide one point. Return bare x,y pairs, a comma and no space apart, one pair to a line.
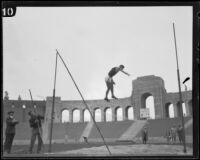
131,150
98,149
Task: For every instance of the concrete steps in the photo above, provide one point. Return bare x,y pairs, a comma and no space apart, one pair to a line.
86,131
133,130
188,123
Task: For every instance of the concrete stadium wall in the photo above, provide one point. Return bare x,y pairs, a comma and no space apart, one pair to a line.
71,133
142,87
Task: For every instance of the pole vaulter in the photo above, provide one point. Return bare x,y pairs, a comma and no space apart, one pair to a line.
57,54
40,132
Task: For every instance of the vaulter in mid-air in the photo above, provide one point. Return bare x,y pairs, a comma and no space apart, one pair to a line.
110,82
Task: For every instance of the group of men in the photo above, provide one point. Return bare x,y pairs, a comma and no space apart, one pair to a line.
36,131
173,132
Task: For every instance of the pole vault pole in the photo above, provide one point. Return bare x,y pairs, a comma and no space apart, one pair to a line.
40,132
32,101
52,112
84,102
180,95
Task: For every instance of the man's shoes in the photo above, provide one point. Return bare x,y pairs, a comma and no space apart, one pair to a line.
106,99
114,97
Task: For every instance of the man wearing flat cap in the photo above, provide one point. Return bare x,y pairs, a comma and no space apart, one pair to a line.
10,131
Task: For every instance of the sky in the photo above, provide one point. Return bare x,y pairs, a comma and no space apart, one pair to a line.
91,41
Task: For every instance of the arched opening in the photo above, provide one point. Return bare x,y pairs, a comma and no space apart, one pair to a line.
190,108
184,110
65,116
147,101
76,115
108,114
129,113
171,111
97,115
118,114
86,116
179,109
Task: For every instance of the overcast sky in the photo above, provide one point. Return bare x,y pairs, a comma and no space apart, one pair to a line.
91,41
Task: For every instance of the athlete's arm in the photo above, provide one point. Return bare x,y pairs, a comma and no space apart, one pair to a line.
125,72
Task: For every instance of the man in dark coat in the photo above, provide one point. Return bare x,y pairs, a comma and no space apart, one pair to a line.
35,124
144,135
10,131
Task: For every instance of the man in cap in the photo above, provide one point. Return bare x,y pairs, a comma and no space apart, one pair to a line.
35,124
10,131
109,80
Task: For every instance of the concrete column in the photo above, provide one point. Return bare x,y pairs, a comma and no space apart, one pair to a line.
102,115
157,107
190,110
125,116
70,116
45,132
137,107
133,113
113,115
93,114
81,115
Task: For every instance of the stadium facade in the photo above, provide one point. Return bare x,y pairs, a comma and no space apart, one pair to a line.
142,88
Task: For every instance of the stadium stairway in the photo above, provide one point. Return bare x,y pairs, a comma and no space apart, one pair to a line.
133,130
86,131
188,123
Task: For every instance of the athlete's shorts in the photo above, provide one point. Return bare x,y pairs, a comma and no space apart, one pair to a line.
109,81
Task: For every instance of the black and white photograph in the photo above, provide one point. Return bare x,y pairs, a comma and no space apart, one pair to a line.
99,80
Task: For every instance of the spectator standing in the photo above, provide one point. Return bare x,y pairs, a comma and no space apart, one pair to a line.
168,136
180,133
173,133
10,131
144,135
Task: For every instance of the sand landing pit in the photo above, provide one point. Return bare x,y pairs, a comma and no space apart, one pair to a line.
139,149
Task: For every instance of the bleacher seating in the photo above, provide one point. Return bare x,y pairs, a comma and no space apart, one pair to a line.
158,127
110,129
74,130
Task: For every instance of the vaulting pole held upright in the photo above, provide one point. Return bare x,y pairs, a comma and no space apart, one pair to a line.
53,104
32,101
180,95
